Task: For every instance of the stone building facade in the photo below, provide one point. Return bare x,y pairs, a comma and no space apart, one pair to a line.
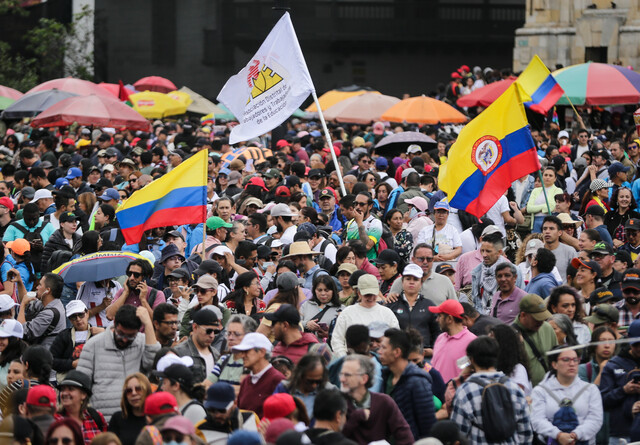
568,32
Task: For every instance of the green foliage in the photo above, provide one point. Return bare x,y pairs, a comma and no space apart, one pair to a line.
16,72
47,43
12,7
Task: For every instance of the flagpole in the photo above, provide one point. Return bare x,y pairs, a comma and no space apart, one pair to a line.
204,216
326,134
578,117
544,191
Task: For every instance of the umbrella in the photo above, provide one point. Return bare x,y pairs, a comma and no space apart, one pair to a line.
155,83
10,93
361,109
97,266
154,105
483,97
402,140
103,111
332,97
423,110
114,88
71,85
598,84
181,96
32,104
202,105
5,102
257,154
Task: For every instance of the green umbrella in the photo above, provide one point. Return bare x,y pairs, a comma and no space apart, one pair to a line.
5,102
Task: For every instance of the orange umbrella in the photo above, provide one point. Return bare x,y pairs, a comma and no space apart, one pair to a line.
423,110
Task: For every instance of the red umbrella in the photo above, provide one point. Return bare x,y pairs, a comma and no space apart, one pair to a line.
72,85
485,96
10,93
114,88
155,83
102,111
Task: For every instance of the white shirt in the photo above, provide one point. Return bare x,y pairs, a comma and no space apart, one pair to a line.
287,236
92,296
496,211
208,359
329,251
446,239
469,242
358,314
258,376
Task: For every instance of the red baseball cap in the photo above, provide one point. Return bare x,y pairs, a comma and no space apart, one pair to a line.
283,191
7,202
69,141
282,143
256,180
449,307
42,395
278,405
455,75
160,403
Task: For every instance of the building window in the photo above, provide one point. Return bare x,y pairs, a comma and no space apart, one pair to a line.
595,54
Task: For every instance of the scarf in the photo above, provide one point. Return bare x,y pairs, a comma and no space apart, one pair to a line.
488,280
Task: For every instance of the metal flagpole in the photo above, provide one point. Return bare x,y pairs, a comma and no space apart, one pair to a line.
326,134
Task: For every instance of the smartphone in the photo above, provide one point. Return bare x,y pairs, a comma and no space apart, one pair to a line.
11,275
636,379
323,326
463,362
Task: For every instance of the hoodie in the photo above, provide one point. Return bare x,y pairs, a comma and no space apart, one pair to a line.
616,373
542,284
297,349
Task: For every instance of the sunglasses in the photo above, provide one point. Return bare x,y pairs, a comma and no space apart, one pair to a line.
169,437
422,259
130,390
134,274
201,290
361,204
210,331
77,316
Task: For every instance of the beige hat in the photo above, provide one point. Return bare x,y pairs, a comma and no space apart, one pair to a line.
347,267
368,284
300,248
565,218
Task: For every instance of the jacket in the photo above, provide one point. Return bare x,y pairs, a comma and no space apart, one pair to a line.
477,292
413,395
322,436
542,284
109,366
418,317
615,375
199,368
56,242
588,408
297,349
409,193
534,208
62,350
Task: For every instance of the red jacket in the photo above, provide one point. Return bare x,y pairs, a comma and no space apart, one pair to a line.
297,349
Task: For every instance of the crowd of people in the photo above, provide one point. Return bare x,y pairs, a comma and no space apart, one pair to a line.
302,313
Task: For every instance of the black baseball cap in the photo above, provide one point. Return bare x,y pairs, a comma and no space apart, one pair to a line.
208,267
631,279
444,268
387,256
286,312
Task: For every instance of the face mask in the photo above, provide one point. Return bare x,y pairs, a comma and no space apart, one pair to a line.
632,300
413,212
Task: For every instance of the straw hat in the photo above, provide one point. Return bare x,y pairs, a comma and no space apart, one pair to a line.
300,248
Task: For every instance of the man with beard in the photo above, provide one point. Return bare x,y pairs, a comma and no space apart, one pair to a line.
136,291
112,355
629,306
223,415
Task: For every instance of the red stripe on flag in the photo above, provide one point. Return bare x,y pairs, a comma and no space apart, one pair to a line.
549,101
166,217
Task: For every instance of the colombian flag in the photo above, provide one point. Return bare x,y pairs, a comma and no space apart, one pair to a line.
491,152
537,82
209,119
179,197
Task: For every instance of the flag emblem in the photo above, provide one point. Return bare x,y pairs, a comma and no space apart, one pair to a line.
486,153
261,80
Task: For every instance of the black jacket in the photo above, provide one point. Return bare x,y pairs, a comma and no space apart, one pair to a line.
322,436
56,242
419,317
62,349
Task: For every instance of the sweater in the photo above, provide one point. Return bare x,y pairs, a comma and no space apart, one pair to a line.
358,314
127,429
252,396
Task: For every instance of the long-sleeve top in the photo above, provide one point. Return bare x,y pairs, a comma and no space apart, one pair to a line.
535,208
418,317
358,314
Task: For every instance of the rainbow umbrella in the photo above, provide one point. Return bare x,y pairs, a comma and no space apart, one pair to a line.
97,266
598,84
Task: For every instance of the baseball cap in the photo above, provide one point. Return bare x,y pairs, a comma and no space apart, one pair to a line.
631,279
283,191
253,340
272,173
205,317
11,328
73,172
591,265
489,230
110,194
382,163
326,193
603,248
287,281
633,332
632,223
316,172
347,267
413,270
208,267
6,303
75,307
563,134
220,395
358,141
449,307
407,171
41,194
308,227
221,250
19,246
28,192
78,379
534,304
377,328
171,359
387,256
178,373
414,148
291,181
68,217
179,274
159,403
206,282
285,312
616,168
43,396
594,210
179,424
277,406
442,205
256,180
444,268
281,210
282,143
532,246
625,257
173,234
601,295
368,285
6,202
215,222
418,202
603,313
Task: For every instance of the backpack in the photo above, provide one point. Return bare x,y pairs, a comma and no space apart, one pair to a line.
36,258
498,414
387,240
566,419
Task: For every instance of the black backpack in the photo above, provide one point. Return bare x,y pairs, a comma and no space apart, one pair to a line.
498,414
36,258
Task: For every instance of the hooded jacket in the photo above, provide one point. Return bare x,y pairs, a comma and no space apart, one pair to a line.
56,242
542,284
616,373
413,395
297,349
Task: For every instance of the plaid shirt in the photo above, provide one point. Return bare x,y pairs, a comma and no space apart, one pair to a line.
467,412
626,317
89,427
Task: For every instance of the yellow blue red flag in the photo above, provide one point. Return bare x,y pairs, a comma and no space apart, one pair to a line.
540,85
179,197
491,152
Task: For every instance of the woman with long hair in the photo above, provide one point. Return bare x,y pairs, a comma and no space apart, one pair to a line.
66,431
623,208
289,292
382,192
130,420
562,382
512,358
91,242
320,311
598,194
87,204
565,300
563,328
245,299
344,254
178,380
537,204
402,239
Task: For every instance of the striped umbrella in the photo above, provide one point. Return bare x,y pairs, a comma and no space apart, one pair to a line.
257,154
97,266
598,84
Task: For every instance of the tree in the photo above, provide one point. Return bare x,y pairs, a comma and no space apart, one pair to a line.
16,71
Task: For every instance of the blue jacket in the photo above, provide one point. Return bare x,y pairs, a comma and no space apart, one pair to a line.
393,198
614,400
414,397
542,284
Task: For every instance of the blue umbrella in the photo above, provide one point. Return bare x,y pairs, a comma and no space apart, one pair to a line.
97,266
32,104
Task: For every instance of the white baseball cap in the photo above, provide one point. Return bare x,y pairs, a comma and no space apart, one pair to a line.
172,359
253,340
563,134
413,270
41,194
220,250
11,328
6,302
75,307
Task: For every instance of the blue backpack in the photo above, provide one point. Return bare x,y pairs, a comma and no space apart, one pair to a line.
565,419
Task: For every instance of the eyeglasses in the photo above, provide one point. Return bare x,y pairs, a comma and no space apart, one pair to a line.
422,259
75,317
169,322
347,374
235,334
134,274
569,360
124,336
131,389
64,440
314,381
210,331
361,204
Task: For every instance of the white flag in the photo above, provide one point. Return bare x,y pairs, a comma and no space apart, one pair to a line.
270,87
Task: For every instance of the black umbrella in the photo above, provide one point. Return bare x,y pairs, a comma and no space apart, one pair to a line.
400,141
32,104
